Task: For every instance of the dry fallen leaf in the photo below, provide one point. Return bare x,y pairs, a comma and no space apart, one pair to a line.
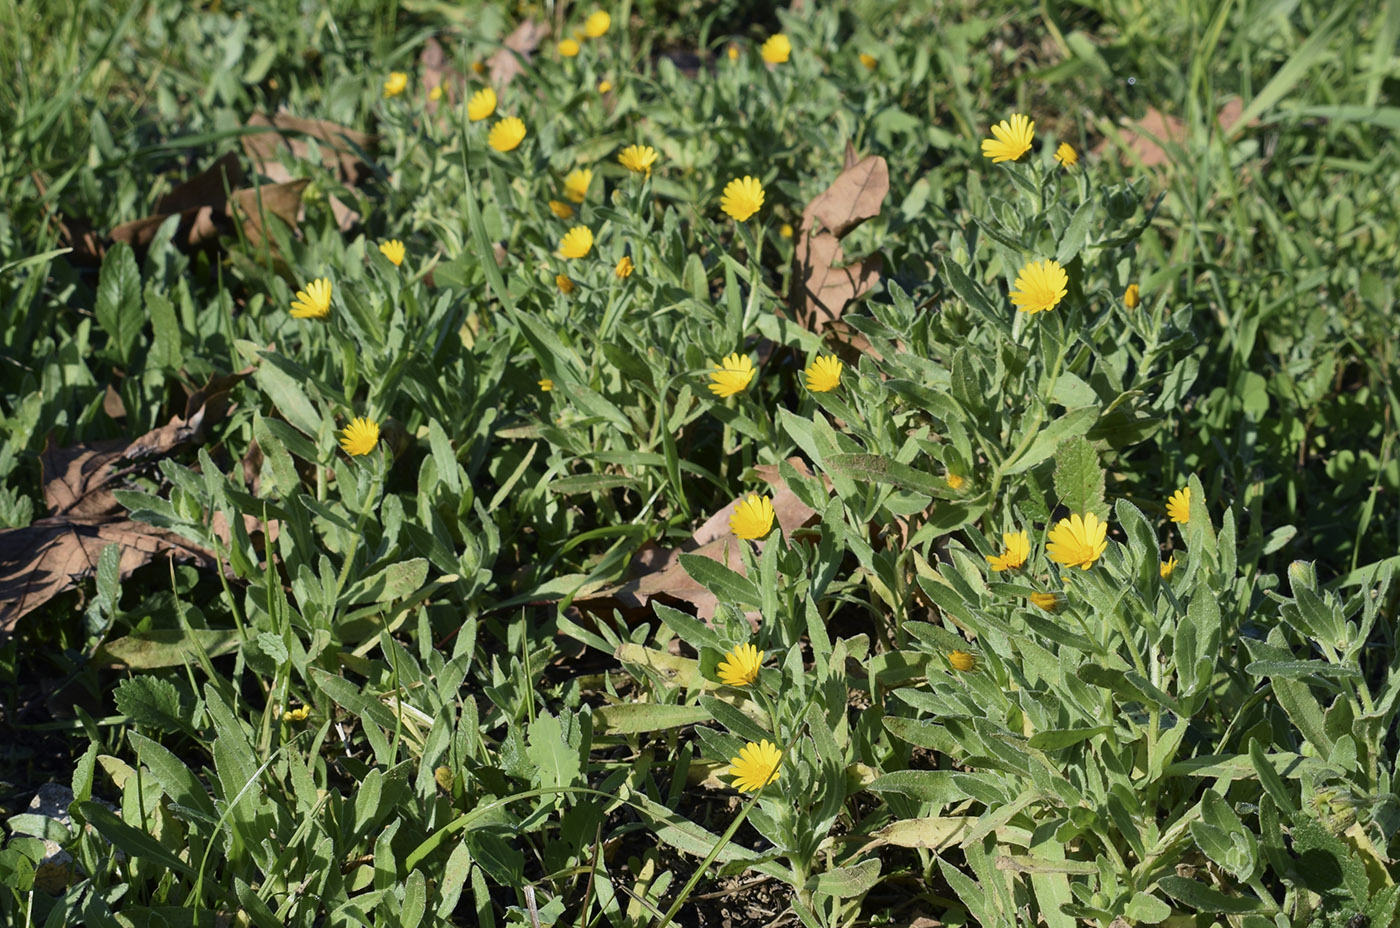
339,149
519,47
436,70
1147,138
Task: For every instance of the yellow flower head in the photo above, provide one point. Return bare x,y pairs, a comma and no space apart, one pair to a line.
785,230
314,302
483,104
478,67
732,376
1179,506
1018,548
955,481
298,714
1011,139
962,661
435,94
823,374
869,60
561,209
753,517
568,48
546,385
740,667
1132,296
1167,567
576,242
1066,155
395,85
1040,286
604,86
393,250
777,49
597,24
638,158
624,268
576,184
1049,602
1078,541
756,766
506,134
359,437
732,51
565,285
742,197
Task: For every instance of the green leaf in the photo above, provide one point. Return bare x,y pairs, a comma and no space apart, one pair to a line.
1077,233
1055,738
165,647
729,586
393,582
1205,898
134,842
938,787
178,781
632,718
150,703
878,469
1079,478
288,395
1146,909
847,882
735,720
119,311
1073,423
167,346
556,762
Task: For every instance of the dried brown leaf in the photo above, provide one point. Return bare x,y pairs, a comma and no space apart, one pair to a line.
854,196
339,148
436,69
509,62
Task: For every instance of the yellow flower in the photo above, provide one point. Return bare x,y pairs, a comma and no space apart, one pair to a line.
483,104
955,481
753,517
597,24
638,158
1040,286
732,376
624,268
962,661
777,49
298,714
506,134
435,94
395,85
576,184
314,302
785,230
823,374
393,250
565,285
1047,601
1078,541
1179,506
604,86
1012,139
546,385
576,242
1132,296
732,51
359,437
561,209
478,67
568,48
740,666
742,197
869,60
1018,548
1167,567
756,766
1066,155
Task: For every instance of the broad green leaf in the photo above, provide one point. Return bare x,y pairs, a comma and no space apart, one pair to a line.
119,310
633,718
847,882
1079,478
729,586
150,702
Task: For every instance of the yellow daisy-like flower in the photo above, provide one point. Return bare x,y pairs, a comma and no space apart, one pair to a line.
1169,565
740,667
395,85
298,714
823,374
568,48
756,766
869,60
565,285
1040,286
576,242
638,158
393,250
506,134
597,24
1018,548
314,302
483,104
1078,541
955,481
732,376
742,197
546,385
1179,506
1066,155
733,52
624,268
435,94
604,86
359,437
1010,139
785,230
576,184
753,517
1046,601
962,661
777,49
1132,296
561,209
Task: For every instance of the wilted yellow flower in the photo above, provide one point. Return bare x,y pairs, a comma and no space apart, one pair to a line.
1012,139
1132,296
1066,155
482,104
1018,548
756,766
576,184
869,60
478,67
1040,286
506,134
740,667
596,24
359,437
955,481
1179,505
1047,601
604,86
568,48
753,517
1167,567
742,197
777,49
785,230
638,158
576,242
732,376
395,85
1078,541
435,94
565,285
823,374
298,714
546,385
393,250
624,268
314,302
561,209
962,661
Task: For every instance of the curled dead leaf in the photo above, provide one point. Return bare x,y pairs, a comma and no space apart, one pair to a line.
339,147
